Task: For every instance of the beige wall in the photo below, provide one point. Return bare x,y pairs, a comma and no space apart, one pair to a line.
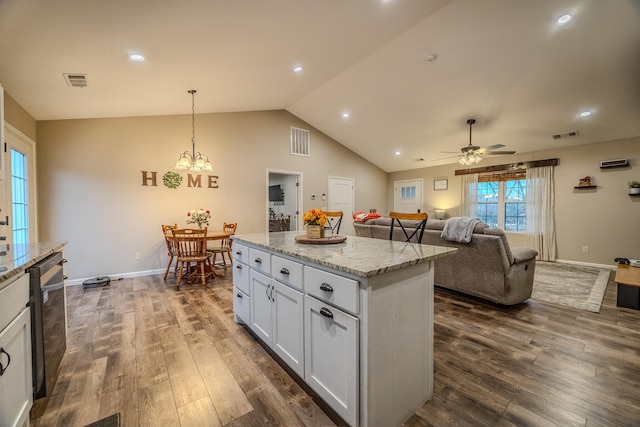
18,117
606,219
91,193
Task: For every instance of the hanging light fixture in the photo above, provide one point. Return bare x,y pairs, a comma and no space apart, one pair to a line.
192,160
470,154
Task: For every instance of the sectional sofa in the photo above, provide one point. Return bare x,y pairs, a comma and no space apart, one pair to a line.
486,267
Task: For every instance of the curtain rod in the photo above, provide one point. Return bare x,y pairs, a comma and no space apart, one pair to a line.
509,166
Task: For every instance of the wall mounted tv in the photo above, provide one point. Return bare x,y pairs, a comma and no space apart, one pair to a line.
275,193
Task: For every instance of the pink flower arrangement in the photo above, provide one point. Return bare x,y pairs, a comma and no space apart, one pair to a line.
199,216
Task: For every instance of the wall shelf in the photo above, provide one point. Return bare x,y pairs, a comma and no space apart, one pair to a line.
585,187
615,166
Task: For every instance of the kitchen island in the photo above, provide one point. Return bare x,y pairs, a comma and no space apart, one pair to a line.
354,320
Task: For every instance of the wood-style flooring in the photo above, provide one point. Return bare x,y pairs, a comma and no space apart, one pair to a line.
162,356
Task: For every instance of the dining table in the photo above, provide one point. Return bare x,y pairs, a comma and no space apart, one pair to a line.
212,235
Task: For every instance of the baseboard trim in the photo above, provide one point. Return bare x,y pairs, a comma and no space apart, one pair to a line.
586,264
143,273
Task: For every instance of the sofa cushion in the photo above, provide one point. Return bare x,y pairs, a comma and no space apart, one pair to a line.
505,242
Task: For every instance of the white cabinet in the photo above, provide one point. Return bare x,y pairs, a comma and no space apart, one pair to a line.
241,292
331,356
367,330
16,388
277,318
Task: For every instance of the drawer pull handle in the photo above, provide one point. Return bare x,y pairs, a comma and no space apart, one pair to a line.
326,287
258,261
2,367
326,312
239,267
284,271
239,253
239,295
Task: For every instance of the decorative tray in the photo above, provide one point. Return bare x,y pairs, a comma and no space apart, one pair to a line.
336,238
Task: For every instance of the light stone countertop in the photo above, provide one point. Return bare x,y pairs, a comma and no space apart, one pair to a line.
360,256
14,259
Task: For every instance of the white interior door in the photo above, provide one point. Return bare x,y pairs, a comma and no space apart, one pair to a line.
341,191
408,196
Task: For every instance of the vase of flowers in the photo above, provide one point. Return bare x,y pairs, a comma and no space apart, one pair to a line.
634,187
198,216
315,219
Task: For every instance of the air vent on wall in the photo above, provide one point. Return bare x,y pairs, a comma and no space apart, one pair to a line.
76,80
565,135
299,142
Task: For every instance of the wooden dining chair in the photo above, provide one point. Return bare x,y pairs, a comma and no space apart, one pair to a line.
191,246
171,249
225,245
417,232
334,219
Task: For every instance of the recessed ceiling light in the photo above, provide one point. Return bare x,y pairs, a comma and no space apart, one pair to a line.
136,57
584,114
397,153
564,19
345,115
298,69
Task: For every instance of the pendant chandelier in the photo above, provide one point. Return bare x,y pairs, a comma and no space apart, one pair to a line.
192,160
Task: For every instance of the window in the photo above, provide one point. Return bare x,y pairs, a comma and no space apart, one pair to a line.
19,191
501,201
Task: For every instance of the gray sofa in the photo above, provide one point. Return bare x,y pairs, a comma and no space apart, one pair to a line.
486,267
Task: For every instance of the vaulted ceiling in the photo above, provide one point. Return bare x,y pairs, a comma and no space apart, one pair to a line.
408,72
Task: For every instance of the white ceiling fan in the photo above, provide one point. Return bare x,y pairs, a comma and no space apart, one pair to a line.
472,154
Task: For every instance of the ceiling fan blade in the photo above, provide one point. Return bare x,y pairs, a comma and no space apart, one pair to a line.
494,147
444,158
450,152
498,153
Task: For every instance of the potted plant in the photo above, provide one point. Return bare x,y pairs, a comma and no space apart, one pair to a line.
634,187
315,219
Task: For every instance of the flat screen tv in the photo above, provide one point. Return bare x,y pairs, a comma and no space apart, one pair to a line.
275,194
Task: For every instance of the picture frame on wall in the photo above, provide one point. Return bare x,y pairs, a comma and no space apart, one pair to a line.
440,184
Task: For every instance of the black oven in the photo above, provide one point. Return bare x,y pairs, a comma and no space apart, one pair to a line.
48,322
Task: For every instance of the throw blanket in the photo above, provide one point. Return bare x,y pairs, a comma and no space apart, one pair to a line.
459,229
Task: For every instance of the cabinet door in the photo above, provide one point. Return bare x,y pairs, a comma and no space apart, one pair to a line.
241,306
288,331
331,356
260,303
16,390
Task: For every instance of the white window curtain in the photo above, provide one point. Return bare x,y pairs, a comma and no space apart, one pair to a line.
469,205
540,210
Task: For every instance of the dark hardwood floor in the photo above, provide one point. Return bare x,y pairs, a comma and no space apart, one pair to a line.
162,356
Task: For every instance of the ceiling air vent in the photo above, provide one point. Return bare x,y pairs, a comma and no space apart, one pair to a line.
76,80
299,142
565,135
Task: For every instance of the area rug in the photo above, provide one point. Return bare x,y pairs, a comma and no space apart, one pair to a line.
570,285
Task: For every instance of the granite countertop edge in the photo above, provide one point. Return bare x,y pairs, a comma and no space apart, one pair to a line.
38,252
350,261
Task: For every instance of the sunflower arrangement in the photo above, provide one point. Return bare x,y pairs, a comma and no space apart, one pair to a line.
315,217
